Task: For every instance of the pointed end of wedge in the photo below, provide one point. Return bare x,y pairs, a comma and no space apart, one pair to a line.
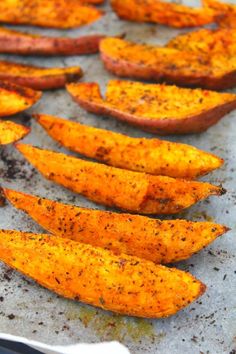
6,192
217,162
38,95
226,229
75,75
24,131
222,191
21,147
17,145
36,116
85,94
202,289
27,129
217,190
220,230
45,120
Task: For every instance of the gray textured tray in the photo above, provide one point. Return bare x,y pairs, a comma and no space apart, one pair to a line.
209,325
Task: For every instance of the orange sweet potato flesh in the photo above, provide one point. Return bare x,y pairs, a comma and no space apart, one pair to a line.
11,132
38,77
157,11
146,62
154,156
155,240
227,10
14,98
93,2
160,109
48,13
13,42
114,187
123,284
220,41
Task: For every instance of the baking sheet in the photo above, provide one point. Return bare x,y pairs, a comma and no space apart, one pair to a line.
209,325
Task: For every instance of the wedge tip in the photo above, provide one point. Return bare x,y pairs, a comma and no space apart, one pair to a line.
222,190
202,289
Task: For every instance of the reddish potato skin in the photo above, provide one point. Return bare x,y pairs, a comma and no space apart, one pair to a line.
42,82
12,42
123,68
194,124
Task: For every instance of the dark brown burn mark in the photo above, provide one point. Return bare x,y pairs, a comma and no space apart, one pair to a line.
72,77
102,152
101,300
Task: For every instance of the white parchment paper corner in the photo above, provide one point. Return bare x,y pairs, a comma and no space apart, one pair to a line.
100,348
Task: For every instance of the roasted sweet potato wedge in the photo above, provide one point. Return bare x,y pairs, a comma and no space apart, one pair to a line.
154,156
157,11
220,41
48,13
227,10
11,132
155,108
132,191
127,59
38,77
13,42
155,240
122,284
14,98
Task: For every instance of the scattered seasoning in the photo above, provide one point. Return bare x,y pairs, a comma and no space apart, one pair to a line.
216,269
194,339
11,316
211,253
101,300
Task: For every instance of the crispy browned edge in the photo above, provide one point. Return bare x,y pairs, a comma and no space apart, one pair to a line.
23,91
193,124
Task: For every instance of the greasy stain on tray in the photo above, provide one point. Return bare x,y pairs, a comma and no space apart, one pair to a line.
109,326
195,216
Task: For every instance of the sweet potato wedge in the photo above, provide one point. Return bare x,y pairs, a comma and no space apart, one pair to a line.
11,132
155,240
154,156
155,108
122,284
48,13
13,42
127,59
132,191
227,10
157,11
14,98
38,77
221,41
